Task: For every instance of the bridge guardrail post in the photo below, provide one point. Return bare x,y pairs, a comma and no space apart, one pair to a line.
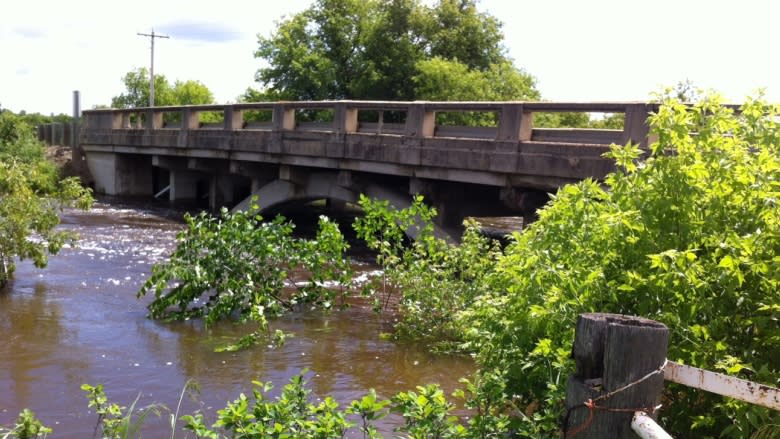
420,122
154,120
283,118
515,124
190,120
635,126
120,121
233,119
620,362
344,119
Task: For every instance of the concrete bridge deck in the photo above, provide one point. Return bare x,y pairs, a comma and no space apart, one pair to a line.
286,151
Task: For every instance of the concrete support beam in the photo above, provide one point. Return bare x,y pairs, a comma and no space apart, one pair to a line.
420,122
345,119
169,162
184,185
283,118
234,119
345,179
253,169
117,174
635,127
418,186
209,166
293,174
220,191
154,120
190,120
515,124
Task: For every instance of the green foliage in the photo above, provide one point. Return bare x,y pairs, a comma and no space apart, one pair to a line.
115,421
31,197
289,415
18,141
339,49
489,403
136,92
436,279
237,266
427,414
439,79
369,409
687,236
27,426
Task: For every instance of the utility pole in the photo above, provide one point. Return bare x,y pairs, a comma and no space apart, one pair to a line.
151,70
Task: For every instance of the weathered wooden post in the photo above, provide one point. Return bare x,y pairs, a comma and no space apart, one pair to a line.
620,361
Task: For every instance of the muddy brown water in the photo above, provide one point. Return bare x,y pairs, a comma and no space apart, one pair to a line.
79,321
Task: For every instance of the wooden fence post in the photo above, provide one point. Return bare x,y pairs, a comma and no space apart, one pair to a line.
620,361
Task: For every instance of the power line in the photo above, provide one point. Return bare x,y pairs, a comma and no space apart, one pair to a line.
152,36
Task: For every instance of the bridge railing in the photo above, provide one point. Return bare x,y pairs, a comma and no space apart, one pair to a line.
513,121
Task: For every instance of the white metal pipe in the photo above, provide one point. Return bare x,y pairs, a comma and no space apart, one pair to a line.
646,427
754,393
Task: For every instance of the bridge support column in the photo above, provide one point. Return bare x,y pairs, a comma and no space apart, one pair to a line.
118,174
220,191
184,185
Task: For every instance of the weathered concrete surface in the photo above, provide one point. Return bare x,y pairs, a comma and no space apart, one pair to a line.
465,170
120,174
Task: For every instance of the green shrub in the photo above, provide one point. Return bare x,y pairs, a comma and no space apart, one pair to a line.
687,236
237,266
31,198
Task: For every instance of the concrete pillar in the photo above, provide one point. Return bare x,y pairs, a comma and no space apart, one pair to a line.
154,120
117,174
635,127
190,120
48,133
184,185
420,122
345,119
220,191
283,118
233,119
515,124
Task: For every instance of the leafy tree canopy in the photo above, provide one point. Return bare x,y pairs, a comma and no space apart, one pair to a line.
389,50
31,197
136,94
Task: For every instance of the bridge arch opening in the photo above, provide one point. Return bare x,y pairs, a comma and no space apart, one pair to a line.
327,186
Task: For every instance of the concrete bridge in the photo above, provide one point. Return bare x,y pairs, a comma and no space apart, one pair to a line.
335,150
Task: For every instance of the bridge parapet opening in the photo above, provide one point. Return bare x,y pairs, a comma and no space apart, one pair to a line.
380,121
314,119
468,124
258,119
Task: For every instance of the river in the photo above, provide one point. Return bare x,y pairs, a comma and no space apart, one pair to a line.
78,321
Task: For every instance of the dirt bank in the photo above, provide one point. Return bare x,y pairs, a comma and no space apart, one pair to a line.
62,156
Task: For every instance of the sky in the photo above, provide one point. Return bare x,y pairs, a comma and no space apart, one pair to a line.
578,50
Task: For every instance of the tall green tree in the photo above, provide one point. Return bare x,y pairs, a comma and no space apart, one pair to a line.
31,197
383,49
136,93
